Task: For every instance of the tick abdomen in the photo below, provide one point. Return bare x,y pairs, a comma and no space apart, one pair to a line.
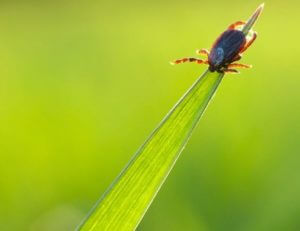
226,47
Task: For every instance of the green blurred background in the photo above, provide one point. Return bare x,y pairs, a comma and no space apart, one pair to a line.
83,83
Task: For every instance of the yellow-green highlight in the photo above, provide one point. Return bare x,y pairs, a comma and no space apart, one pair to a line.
126,201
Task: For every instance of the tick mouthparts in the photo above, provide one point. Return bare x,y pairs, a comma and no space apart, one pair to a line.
252,19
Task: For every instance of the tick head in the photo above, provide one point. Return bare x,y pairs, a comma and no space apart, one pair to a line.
216,58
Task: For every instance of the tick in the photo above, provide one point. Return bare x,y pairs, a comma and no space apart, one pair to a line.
228,48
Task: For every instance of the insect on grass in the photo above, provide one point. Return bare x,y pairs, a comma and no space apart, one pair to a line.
123,205
228,47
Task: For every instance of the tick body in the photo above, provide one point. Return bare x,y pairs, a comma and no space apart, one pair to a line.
226,50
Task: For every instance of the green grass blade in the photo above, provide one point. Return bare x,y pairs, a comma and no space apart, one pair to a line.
127,199
251,21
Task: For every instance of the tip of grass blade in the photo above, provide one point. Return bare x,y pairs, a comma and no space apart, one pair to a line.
251,21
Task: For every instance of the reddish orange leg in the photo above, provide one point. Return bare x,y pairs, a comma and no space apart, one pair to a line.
203,52
239,65
248,44
233,71
199,61
236,24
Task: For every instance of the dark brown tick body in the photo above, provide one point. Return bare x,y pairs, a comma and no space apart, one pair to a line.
226,50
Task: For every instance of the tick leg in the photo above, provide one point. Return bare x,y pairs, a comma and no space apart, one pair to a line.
239,65
248,44
183,60
203,52
236,24
231,71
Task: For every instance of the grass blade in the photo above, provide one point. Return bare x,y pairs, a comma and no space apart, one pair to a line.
125,202
127,199
251,21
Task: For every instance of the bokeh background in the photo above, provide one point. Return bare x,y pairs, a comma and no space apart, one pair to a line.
83,83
